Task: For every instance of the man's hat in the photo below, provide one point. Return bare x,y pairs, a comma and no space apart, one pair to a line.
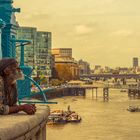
4,63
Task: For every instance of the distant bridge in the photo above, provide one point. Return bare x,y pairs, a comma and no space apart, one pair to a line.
76,90
127,76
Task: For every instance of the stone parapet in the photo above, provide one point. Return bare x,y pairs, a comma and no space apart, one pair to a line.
21,126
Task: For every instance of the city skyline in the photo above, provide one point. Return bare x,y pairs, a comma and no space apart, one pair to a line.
104,32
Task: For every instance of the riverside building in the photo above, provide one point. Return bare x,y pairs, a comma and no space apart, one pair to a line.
38,53
43,53
84,67
135,62
64,63
27,33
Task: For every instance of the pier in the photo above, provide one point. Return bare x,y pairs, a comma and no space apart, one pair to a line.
134,91
106,94
75,90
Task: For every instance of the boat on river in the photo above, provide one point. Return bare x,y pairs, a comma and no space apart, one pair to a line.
74,117
133,109
123,90
62,117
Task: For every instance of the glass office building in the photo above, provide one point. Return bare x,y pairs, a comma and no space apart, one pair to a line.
38,53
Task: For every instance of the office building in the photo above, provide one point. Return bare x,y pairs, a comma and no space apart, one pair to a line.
135,62
66,67
38,53
27,33
84,67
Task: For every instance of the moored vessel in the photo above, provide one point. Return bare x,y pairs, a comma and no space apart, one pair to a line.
62,117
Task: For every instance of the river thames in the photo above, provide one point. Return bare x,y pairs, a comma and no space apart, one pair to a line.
100,120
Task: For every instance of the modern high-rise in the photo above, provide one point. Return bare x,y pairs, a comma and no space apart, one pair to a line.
84,67
135,62
38,53
27,33
43,53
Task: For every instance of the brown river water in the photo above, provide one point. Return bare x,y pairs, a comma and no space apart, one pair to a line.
100,120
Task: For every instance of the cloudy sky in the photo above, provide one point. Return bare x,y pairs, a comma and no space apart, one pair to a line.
105,32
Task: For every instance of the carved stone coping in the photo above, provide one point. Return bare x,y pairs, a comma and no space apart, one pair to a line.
21,126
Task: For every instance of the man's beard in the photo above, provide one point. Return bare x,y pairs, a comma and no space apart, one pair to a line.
17,75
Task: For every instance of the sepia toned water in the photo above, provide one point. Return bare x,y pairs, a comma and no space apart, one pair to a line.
100,120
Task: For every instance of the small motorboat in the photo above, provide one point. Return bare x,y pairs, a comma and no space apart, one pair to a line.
56,117
123,90
62,117
74,117
53,119
133,109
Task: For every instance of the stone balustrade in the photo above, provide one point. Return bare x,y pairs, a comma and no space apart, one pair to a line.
21,126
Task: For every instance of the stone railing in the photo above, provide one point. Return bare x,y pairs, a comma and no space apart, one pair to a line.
24,127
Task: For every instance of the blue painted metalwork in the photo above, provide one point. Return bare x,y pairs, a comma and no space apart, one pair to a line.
7,15
2,25
37,102
20,43
9,44
24,86
42,92
13,47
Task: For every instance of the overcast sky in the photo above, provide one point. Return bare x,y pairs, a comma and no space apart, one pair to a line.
105,32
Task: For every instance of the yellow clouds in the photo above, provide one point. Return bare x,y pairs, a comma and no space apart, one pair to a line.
103,32
82,29
122,32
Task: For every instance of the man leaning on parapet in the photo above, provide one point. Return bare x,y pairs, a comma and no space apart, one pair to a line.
9,73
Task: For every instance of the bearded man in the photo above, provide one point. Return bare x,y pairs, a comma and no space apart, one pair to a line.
9,74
